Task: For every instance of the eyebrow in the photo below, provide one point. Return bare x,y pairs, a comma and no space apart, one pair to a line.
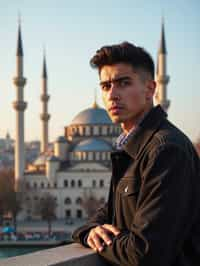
115,80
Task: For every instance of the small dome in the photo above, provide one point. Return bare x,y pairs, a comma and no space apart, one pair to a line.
93,144
94,115
40,160
61,139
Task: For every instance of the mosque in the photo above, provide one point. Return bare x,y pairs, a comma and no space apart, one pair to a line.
79,166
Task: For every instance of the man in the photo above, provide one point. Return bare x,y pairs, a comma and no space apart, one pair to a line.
152,217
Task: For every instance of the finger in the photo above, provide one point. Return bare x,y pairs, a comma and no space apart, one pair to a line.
104,235
97,242
111,228
91,244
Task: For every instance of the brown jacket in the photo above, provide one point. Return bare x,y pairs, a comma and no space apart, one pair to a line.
154,199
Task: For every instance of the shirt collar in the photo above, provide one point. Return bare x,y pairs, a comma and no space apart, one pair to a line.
123,138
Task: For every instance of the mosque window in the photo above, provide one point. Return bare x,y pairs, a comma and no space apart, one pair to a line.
35,185
101,183
55,184
67,213
68,200
79,183
72,183
100,130
77,132
94,183
27,185
42,185
78,200
79,214
65,183
48,185
91,131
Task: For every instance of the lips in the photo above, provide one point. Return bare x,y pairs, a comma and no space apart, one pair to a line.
115,109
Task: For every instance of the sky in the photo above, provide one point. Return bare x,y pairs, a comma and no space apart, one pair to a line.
71,32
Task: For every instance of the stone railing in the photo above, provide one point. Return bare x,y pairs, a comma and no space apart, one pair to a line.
69,255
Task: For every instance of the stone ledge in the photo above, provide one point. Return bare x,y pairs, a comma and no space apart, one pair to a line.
68,255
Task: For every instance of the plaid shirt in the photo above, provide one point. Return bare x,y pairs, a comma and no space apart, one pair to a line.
123,138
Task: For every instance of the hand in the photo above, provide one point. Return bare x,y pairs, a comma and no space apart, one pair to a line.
100,236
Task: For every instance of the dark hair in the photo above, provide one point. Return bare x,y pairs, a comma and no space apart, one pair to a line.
123,53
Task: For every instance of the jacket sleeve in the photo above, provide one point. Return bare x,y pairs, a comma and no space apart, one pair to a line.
162,217
101,217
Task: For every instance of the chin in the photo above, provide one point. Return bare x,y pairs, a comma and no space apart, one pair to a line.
116,120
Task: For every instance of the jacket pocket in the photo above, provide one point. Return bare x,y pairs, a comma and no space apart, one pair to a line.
127,194
128,186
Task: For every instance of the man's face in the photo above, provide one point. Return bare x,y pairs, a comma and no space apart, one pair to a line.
127,94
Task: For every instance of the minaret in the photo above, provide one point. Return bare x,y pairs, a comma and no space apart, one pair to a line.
44,116
162,78
20,106
95,105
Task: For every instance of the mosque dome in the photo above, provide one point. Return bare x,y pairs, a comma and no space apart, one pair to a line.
93,144
93,115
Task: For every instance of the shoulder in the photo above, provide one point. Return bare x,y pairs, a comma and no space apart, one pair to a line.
169,137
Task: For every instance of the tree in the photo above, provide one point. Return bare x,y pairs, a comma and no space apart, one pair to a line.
11,202
47,208
14,206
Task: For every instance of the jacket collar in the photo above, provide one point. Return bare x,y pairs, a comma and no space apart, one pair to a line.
146,130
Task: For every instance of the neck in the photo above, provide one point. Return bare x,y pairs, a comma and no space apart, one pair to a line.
133,123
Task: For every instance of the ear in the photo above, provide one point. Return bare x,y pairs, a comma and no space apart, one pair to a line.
151,87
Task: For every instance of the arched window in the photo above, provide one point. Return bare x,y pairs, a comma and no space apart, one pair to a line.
27,185
68,200
42,185
35,185
72,183
65,183
101,183
79,183
78,200
55,184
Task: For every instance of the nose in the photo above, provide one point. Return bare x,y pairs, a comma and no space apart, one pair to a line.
113,93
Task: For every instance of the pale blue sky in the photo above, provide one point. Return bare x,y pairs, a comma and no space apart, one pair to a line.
71,32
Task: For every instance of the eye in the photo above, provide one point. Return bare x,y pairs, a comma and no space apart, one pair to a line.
124,83
105,86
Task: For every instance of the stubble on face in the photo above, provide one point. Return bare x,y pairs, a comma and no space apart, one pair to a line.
124,93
